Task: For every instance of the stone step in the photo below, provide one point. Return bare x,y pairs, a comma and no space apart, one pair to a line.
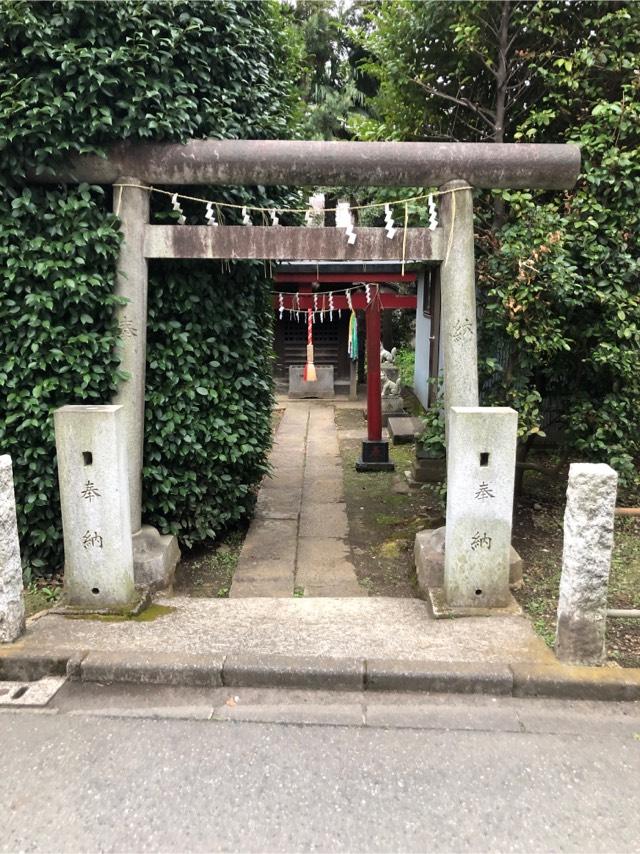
404,429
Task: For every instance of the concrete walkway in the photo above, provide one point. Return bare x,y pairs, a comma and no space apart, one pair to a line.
298,541
373,627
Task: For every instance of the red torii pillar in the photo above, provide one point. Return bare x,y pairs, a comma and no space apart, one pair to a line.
375,449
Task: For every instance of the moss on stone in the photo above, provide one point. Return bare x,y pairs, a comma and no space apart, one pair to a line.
153,612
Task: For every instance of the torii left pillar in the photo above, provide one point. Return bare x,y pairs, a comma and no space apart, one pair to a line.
155,556
375,449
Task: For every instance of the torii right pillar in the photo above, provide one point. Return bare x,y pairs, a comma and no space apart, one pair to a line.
481,442
458,298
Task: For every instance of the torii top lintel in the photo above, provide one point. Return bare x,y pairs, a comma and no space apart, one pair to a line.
305,163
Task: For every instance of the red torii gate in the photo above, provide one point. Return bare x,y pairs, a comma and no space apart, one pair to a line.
375,453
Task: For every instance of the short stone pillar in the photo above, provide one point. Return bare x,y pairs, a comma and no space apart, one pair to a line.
586,560
11,590
480,478
94,494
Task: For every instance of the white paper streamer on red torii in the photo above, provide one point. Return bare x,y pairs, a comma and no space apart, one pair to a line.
328,301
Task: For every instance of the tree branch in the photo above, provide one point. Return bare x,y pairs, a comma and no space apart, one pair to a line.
486,115
484,61
488,26
473,128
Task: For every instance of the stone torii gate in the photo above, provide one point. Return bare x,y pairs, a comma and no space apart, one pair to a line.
134,167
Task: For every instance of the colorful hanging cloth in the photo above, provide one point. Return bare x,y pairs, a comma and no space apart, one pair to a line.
353,337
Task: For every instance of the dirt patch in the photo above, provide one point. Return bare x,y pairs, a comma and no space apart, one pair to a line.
42,593
207,571
384,515
538,536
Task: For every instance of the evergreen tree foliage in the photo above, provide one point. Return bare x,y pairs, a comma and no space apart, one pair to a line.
331,80
557,272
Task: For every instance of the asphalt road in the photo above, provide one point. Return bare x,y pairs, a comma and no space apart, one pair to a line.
100,772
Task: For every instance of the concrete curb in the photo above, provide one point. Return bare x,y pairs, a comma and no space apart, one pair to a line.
277,671
321,673
200,671
27,666
439,677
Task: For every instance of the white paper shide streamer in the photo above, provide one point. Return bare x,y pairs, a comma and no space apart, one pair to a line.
210,215
344,219
433,213
175,204
388,222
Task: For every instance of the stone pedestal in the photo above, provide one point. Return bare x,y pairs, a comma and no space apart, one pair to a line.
425,470
94,494
480,479
321,388
11,589
392,407
404,429
428,552
375,456
586,561
155,557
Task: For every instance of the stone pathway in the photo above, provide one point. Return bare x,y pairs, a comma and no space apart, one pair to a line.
299,538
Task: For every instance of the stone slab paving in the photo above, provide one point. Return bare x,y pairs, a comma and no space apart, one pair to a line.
323,490
373,627
298,540
319,521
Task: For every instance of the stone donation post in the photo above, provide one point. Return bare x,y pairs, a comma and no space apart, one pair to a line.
586,560
11,596
94,494
480,478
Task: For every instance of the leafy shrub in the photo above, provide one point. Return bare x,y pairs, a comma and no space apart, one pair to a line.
406,362
57,252
432,438
208,415
73,78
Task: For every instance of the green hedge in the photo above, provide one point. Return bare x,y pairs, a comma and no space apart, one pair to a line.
73,78
209,394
